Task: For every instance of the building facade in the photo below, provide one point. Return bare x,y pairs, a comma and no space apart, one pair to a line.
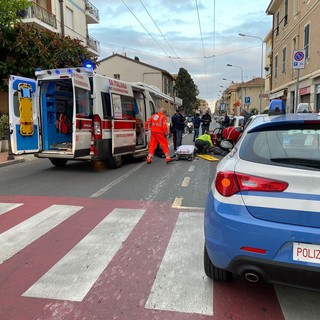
295,28
66,17
245,95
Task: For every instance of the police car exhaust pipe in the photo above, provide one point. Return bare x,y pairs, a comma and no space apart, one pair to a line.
251,276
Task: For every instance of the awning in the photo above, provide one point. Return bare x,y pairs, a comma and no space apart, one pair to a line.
278,94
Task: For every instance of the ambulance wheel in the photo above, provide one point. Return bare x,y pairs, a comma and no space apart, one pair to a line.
115,162
59,162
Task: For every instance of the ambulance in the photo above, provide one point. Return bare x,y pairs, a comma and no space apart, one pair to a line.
76,114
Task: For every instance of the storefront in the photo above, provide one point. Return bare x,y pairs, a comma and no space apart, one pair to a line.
317,102
304,95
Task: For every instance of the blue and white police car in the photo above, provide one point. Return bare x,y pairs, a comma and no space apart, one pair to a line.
262,214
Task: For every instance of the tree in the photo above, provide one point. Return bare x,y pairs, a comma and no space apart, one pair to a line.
187,91
8,12
23,48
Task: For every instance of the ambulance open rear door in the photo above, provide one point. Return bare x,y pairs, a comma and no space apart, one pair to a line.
23,116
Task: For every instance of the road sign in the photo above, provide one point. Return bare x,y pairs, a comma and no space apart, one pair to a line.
247,100
298,59
222,106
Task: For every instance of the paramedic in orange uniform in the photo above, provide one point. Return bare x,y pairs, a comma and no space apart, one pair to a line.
159,133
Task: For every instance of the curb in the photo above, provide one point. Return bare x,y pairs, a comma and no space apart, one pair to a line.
10,162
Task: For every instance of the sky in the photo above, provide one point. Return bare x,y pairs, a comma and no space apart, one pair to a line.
201,36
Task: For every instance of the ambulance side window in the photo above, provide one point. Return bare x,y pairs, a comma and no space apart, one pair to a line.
83,103
106,105
128,110
152,108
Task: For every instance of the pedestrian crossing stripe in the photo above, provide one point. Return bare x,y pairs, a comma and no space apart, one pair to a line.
74,275
24,233
5,207
186,287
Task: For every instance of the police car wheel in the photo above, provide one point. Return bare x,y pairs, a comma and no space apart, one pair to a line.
115,162
59,162
212,271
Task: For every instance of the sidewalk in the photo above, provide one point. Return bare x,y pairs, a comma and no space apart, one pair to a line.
5,162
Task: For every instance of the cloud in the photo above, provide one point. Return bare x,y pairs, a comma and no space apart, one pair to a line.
119,31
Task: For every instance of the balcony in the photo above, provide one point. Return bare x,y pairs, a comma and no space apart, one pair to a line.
92,13
39,16
93,45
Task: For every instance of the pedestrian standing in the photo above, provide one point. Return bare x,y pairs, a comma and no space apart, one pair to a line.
246,115
159,134
206,120
196,126
178,123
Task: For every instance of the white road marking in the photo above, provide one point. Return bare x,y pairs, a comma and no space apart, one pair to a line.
191,168
117,181
185,182
181,284
24,233
5,207
177,204
74,275
297,304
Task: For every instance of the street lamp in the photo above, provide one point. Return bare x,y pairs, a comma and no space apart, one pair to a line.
231,65
261,64
242,94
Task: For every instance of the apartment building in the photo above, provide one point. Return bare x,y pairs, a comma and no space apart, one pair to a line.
245,95
67,17
295,27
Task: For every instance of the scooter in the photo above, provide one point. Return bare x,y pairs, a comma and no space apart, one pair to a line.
190,126
221,135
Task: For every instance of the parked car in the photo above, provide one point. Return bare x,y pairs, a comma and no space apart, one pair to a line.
304,108
236,121
262,217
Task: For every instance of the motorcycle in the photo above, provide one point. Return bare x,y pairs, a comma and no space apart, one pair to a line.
224,138
190,127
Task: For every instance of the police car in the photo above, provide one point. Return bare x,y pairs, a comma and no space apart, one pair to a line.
262,214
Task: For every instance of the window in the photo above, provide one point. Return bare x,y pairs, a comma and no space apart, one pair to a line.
83,103
286,12
307,39
284,57
116,76
275,145
106,105
276,66
277,21
123,107
69,18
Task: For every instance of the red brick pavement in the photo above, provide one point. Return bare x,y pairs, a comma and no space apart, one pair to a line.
4,159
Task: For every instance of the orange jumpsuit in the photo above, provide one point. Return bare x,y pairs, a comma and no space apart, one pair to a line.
159,132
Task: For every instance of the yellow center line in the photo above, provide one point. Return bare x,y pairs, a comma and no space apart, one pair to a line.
177,204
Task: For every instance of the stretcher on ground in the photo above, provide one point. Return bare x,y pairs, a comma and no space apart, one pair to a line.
186,152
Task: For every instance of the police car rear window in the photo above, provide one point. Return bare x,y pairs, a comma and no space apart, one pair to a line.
283,145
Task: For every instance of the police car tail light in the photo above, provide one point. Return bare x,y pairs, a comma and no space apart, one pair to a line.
229,183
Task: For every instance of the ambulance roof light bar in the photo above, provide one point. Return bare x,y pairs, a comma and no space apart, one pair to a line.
63,71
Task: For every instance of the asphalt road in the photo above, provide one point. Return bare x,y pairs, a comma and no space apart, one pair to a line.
87,242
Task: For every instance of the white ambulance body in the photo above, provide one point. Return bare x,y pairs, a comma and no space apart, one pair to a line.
75,114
